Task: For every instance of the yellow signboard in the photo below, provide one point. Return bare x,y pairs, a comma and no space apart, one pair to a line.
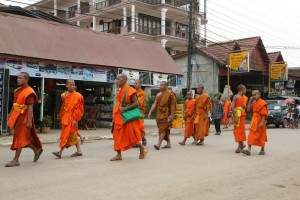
239,62
178,118
279,71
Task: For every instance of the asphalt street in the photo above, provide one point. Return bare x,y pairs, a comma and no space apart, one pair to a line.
212,172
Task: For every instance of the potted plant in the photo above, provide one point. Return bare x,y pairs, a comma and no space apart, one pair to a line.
47,122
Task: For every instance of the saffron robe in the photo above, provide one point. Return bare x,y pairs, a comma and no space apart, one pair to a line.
127,134
258,136
166,106
202,106
23,136
72,109
141,95
189,124
226,108
239,126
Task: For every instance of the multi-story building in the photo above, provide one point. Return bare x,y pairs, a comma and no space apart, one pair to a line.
164,21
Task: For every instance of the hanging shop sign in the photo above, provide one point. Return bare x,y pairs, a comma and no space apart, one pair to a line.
159,78
57,71
279,71
239,62
132,76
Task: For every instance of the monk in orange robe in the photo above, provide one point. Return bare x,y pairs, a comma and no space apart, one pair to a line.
62,96
238,106
21,120
200,116
226,107
126,134
189,108
71,114
258,127
141,95
165,101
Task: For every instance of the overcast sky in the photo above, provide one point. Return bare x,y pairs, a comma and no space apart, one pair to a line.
276,21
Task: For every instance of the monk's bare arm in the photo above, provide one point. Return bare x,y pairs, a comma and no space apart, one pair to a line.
263,121
30,116
153,106
134,104
233,103
249,107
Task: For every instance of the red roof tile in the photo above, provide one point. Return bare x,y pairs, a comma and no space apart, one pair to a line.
42,39
275,57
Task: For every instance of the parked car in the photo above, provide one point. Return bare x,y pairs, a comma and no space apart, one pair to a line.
277,115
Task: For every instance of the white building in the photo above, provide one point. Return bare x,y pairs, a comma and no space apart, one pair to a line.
163,21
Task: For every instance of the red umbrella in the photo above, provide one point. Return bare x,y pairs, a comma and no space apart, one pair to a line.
286,101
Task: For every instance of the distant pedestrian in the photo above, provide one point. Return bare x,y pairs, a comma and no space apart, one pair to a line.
226,108
21,120
295,116
217,114
258,126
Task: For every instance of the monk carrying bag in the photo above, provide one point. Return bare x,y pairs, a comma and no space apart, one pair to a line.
132,114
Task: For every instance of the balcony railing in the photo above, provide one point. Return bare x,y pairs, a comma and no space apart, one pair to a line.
106,3
85,9
62,15
170,31
71,14
177,3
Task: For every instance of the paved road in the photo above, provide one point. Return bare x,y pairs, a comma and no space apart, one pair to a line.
212,172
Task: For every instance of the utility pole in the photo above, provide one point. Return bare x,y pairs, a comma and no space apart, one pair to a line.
190,44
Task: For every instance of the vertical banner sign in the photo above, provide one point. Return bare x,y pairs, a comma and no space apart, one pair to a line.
239,62
279,72
178,117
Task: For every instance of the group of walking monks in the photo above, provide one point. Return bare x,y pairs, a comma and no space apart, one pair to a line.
197,122
132,133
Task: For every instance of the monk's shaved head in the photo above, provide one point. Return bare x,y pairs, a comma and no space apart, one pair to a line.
201,86
123,76
165,83
256,92
70,81
25,74
240,87
189,92
138,81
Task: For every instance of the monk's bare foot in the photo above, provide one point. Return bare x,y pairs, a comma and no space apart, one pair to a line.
201,143
37,155
156,147
262,152
116,158
166,146
82,140
181,143
12,164
246,152
57,154
143,154
194,143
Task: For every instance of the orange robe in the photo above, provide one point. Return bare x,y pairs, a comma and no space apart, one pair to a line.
239,131
73,109
23,136
203,106
127,134
166,105
189,124
258,136
141,95
226,108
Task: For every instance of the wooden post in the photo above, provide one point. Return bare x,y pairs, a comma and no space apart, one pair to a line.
228,82
269,88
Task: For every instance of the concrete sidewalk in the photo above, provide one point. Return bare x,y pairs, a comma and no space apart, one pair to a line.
102,133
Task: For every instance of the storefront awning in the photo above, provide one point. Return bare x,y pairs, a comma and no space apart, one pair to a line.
35,38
